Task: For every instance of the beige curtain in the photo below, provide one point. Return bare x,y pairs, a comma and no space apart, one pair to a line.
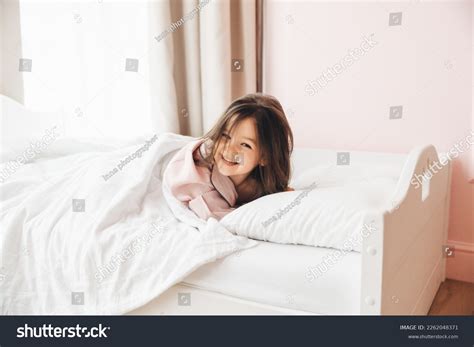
205,63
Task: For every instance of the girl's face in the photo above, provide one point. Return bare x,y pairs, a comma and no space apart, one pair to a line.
237,153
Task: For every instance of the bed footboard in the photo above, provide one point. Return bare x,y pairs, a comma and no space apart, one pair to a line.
403,259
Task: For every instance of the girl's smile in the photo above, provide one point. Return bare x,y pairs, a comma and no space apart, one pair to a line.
229,162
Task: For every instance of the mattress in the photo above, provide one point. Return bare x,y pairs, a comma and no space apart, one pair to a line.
281,275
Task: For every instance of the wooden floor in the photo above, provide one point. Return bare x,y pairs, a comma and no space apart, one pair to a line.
453,298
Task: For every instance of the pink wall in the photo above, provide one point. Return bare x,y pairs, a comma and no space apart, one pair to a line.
424,65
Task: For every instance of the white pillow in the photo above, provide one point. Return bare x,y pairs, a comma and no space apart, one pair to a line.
331,214
25,133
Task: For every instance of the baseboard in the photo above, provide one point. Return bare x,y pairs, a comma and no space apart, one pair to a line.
460,267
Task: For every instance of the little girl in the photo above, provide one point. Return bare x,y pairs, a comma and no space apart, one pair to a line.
246,155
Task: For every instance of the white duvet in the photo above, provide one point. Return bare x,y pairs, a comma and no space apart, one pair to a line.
76,239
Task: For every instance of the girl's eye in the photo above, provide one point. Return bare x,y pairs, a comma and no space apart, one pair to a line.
246,145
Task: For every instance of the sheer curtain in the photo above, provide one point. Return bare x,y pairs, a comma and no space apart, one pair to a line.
113,70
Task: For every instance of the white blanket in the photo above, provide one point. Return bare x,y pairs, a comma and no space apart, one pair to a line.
77,238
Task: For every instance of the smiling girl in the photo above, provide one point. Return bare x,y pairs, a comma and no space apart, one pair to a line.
246,155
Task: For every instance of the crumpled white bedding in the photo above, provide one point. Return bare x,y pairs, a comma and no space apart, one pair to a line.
77,240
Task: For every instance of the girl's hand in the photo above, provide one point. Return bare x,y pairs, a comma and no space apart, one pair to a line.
289,189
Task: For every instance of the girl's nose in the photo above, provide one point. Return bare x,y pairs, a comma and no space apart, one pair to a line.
231,147
231,152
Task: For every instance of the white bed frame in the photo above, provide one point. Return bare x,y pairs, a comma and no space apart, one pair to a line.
403,260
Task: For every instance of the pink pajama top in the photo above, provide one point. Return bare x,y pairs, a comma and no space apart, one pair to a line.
203,189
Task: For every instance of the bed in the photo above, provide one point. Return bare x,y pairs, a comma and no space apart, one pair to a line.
398,271
54,256
269,278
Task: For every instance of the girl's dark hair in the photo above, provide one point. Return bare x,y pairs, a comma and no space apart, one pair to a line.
275,139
